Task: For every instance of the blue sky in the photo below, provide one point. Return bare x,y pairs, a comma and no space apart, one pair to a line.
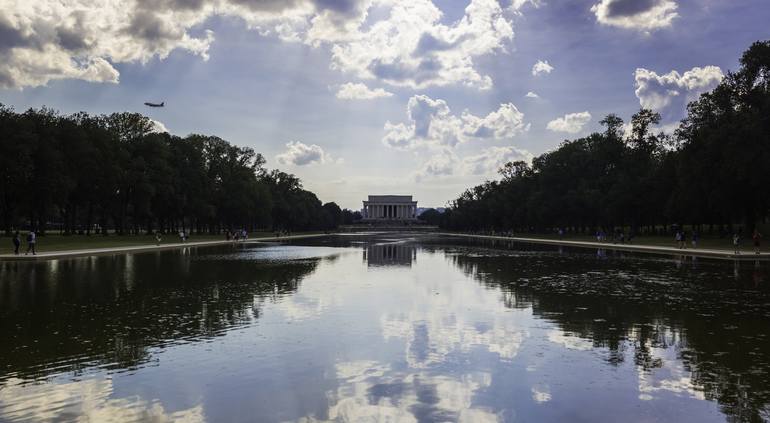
365,97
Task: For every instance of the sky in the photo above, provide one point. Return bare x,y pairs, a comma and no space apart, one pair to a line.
360,97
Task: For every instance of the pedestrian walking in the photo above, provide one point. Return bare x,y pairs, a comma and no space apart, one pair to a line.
16,243
31,243
158,239
678,238
737,243
757,238
695,237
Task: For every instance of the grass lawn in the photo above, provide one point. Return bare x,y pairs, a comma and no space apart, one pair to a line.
55,242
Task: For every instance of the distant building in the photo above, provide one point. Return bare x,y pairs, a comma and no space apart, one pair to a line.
389,208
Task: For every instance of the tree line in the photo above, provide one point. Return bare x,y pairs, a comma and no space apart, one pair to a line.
85,173
712,173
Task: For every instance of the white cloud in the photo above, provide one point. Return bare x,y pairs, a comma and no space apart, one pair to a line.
645,15
516,5
299,154
358,91
670,93
571,123
413,48
445,162
531,94
158,126
541,67
492,159
431,123
46,40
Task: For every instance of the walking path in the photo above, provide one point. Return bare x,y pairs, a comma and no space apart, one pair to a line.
51,255
747,252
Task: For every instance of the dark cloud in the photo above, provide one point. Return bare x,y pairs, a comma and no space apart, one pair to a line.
428,43
268,5
345,7
398,71
71,38
146,25
11,37
622,8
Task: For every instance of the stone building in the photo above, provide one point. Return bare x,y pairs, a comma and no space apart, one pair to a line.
389,208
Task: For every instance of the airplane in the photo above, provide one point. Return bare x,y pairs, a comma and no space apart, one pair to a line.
155,104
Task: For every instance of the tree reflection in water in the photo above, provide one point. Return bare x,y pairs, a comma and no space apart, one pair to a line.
72,315
650,310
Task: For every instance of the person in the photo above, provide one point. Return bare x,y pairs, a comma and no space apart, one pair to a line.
757,237
16,243
622,237
678,238
158,239
684,239
736,242
244,235
31,241
695,236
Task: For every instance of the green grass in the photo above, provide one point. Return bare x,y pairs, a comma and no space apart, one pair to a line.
55,242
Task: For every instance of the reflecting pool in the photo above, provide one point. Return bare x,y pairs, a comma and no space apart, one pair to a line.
385,327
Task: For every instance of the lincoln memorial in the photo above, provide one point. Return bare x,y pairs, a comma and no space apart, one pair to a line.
389,207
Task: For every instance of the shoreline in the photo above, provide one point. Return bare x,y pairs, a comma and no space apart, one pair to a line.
87,252
747,255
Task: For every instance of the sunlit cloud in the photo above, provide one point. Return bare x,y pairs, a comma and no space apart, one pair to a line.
300,154
432,123
359,91
45,40
571,123
669,93
541,67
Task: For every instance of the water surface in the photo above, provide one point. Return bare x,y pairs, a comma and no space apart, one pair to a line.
385,327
